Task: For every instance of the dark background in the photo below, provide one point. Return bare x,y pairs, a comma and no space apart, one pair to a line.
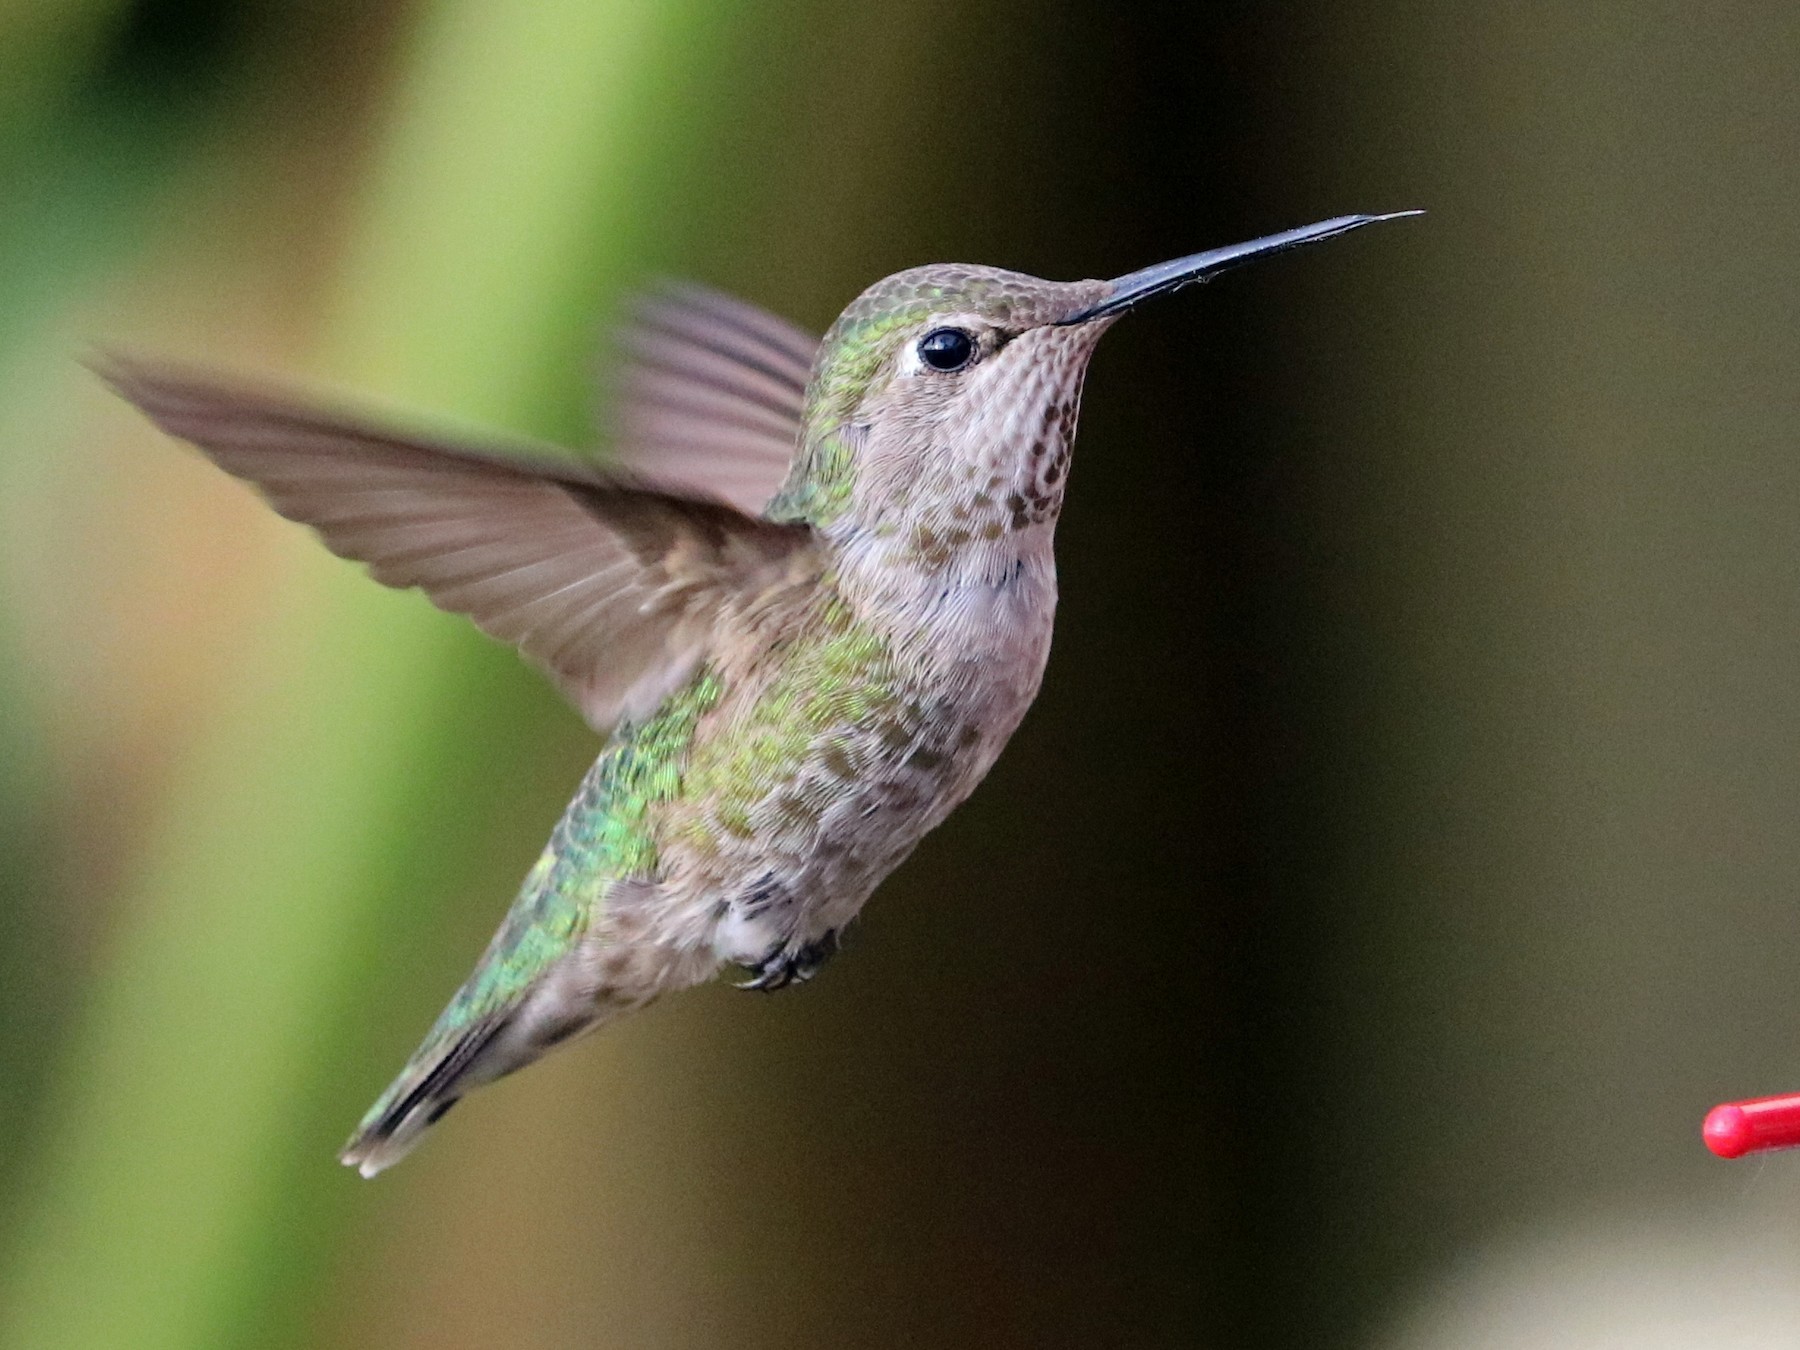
1399,860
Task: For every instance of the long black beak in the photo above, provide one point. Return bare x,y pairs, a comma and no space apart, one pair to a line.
1141,285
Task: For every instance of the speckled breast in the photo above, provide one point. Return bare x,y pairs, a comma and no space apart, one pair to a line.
827,761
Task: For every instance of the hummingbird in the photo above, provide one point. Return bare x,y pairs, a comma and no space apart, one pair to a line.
806,605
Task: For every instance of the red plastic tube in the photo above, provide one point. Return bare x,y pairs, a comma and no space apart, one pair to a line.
1753,1126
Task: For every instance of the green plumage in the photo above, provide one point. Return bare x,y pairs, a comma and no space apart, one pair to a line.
831,696
605,835
833,677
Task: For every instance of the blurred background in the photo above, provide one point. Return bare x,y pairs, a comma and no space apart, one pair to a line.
1400,860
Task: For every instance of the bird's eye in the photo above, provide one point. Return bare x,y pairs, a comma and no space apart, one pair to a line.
947,349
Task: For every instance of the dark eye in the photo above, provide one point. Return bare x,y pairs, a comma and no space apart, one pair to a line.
946,349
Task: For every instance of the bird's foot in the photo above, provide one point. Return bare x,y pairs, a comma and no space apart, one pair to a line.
791,965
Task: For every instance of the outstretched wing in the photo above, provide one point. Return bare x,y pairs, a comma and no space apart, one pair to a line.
710,395
613,584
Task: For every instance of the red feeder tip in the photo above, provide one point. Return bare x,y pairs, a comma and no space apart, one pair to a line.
1753,1126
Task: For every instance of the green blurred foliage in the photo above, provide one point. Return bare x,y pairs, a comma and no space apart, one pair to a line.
1398,863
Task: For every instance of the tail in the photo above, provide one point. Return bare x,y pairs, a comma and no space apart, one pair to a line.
462,1053
435,1080
520,1001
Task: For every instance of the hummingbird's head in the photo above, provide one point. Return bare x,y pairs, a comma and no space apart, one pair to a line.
943,400
934,381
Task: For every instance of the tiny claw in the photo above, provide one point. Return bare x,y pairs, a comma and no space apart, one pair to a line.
791,965
767,978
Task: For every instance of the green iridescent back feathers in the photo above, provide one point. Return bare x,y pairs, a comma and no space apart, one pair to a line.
606,834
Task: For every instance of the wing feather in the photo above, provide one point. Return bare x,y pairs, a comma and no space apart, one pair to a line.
711,395
614,584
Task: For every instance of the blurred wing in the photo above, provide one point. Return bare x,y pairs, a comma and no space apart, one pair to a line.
613,585
711,395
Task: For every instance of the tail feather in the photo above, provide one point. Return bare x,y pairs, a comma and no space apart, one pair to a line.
428,1087
467,1049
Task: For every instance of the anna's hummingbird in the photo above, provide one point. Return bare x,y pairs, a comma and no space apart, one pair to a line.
808,611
